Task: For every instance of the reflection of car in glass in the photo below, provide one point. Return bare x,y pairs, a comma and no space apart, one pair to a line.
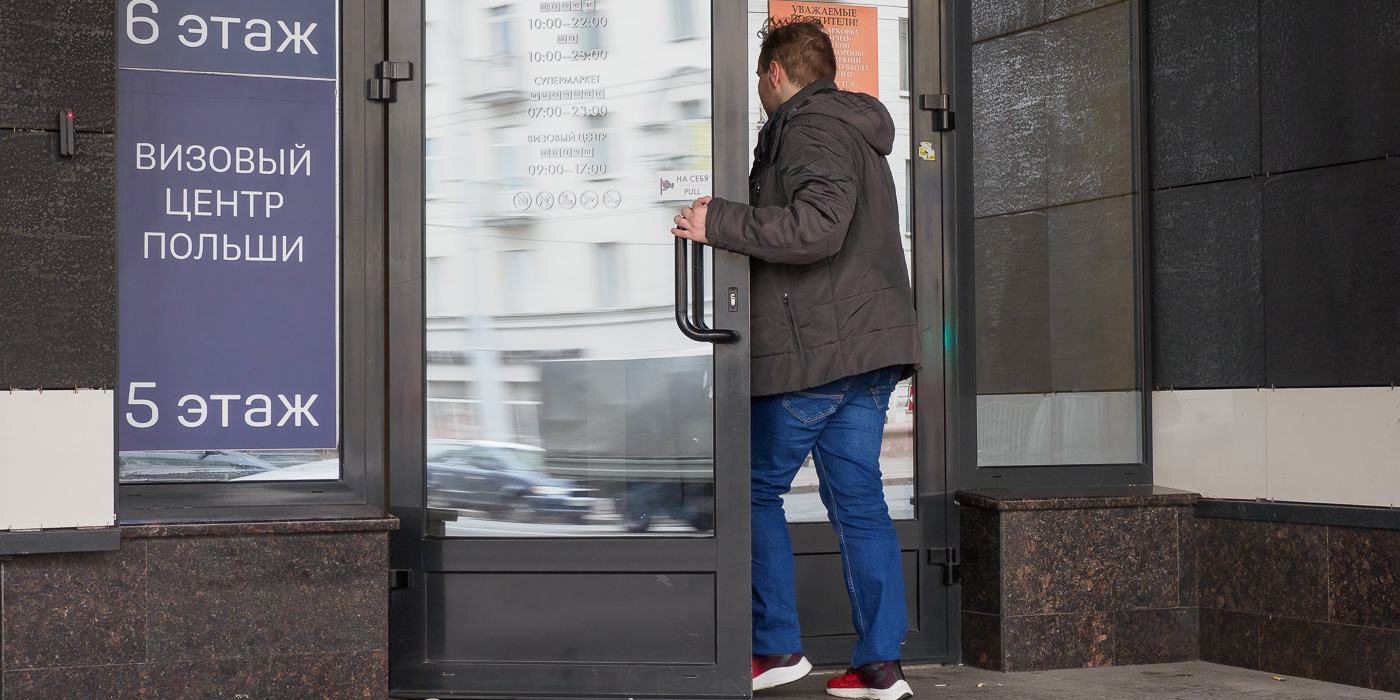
188,465
639,430
500,478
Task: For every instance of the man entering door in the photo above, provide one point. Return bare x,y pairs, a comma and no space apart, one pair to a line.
833,332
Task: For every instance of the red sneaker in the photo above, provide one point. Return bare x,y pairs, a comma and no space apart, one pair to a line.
882,680
771,670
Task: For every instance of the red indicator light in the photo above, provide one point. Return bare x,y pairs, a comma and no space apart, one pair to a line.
70,115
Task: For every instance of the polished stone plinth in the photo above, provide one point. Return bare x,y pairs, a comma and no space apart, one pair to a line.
1071,578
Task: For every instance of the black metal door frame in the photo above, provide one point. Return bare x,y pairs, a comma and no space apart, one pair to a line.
725,556
934,529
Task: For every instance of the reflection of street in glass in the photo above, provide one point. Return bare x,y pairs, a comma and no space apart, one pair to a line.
561,398
174,466
808,508
605,517
513,483
466,526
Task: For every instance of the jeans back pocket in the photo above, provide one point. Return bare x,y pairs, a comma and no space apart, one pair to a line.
809,407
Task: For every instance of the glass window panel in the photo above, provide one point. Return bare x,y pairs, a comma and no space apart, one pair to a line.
1056,295
238,464
889,65
561,398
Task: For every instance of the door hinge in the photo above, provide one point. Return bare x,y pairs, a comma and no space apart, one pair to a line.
387,74
941,106
400,578
948,558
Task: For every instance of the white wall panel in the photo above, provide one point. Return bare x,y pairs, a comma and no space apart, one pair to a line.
1329,445
1210,441
56,459
1334,445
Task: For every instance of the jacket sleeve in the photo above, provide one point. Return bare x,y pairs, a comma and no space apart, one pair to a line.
817,172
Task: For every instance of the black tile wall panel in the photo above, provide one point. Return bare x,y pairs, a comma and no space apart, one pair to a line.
1010,124
58,55
1203,108
1330,92
1332,276
1013,303
1052,114
1093,343
995,17
57,262
1208,286
1056,9
1089,58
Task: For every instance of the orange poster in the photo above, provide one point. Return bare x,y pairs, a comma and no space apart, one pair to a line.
854,36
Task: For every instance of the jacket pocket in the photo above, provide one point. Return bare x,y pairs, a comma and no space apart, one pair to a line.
792,323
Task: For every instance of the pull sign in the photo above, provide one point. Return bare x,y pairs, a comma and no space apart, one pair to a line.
942,110
387,74
67,140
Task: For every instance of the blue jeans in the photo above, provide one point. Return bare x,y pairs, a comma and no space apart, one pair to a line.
841,424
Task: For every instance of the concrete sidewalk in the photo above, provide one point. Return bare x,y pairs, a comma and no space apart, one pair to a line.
1195,679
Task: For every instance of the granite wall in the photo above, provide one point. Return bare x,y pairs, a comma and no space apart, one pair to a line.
262,611
1314,601
1071,579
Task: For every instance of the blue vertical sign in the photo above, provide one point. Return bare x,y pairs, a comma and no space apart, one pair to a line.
227,224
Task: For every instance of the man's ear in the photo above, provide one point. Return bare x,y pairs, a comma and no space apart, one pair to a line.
776,75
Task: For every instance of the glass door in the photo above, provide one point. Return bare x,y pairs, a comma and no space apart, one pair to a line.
889,49
570,466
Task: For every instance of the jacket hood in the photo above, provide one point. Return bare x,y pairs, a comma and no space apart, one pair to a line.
865,113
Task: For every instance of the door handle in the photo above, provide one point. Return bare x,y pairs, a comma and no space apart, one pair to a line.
695,330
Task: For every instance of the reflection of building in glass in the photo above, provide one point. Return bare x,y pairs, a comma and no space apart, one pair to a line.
547,241
549,253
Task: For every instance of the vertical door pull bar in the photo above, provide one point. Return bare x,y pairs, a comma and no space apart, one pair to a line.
698,332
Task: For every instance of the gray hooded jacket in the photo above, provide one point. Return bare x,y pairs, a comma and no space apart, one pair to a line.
831,295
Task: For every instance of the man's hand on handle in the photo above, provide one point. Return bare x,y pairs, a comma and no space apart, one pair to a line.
690,224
